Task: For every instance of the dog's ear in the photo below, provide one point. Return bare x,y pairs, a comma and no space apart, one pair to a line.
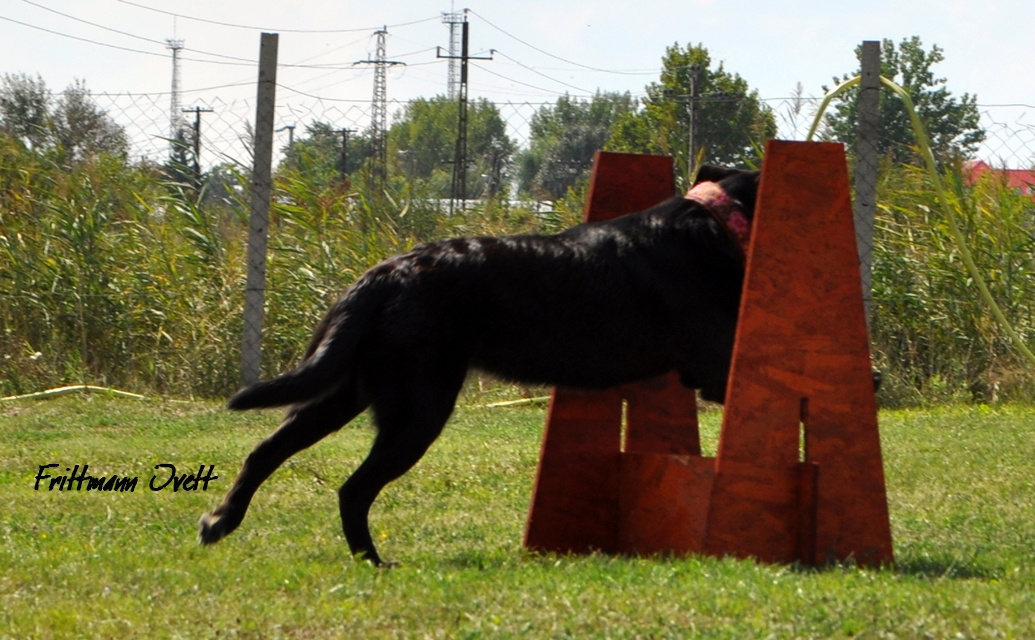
712,173
742,186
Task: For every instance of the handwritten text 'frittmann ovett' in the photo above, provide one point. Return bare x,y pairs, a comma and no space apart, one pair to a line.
164,478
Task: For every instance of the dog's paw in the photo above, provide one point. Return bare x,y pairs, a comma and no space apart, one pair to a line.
212,528
374,559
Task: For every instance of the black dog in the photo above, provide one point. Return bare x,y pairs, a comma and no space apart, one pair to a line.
598,305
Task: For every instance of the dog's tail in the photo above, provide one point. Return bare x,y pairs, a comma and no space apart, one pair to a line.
327,361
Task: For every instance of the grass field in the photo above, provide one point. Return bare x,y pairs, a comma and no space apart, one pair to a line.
961,485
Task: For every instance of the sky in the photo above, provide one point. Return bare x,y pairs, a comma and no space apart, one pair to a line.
540,50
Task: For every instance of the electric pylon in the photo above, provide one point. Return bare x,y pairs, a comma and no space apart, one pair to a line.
454,19
176,134
379,114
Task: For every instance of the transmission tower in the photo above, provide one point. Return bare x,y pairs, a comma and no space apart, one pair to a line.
454,19
379,114
176,142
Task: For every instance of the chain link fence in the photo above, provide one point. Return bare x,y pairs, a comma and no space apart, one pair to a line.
125,316
226,129
1009,144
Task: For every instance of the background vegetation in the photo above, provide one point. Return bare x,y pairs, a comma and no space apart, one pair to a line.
131,274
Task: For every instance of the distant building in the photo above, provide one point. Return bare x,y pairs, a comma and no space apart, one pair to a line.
1020,179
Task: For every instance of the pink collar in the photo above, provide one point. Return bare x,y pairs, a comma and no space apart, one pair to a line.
725,211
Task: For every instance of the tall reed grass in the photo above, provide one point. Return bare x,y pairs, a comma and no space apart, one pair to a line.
111,275
930,329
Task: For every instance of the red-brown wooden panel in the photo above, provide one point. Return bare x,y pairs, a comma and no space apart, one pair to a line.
801,363
664,503
801,343
575,499
661,417
626,182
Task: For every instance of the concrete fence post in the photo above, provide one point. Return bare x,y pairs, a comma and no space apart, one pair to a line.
866,160
255,288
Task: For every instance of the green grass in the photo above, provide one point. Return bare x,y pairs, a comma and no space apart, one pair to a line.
961,487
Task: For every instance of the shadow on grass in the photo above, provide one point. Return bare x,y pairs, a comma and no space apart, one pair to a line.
953,568
926,567
920,567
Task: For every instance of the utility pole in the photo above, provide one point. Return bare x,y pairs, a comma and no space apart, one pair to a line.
693,115
290,128
459,189
197,111
379,114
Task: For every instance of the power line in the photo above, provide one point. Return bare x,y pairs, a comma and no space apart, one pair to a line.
279,30
334,50
324,98
92,24
124,33
65,35
989,106
238,61
243,61
231,60
539,73
415,53
556,57
159,94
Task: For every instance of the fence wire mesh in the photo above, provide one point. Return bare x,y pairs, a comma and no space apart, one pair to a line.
227,125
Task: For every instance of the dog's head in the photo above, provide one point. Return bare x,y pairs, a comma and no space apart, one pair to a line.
729,196
741,186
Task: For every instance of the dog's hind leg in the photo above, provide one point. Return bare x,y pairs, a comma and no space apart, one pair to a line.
407,426
304,426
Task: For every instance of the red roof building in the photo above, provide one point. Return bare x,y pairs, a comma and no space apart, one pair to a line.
1020,179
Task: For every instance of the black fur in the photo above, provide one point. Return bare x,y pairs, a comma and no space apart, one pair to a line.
598,305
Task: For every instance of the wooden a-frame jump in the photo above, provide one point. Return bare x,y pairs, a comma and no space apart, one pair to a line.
798,475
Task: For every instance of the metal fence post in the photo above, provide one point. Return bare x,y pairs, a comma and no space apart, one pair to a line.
866,158
255,288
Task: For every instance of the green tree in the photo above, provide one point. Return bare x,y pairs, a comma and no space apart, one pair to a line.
25,109
317,153
730,121
563,140
75,127
952,124
422,143
81,128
